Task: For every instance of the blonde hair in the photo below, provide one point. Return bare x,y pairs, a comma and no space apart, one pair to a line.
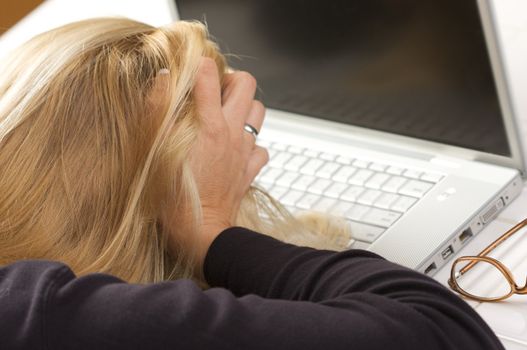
88,163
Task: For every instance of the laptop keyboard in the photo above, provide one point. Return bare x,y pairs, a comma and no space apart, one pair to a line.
371,195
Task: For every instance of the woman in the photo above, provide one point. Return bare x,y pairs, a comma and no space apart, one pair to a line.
124,152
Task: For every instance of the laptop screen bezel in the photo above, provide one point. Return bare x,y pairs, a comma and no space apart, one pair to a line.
496,52
487,12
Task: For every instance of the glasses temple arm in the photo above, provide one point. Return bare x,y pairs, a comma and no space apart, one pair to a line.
494,244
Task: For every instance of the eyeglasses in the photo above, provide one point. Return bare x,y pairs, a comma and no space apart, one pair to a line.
468,271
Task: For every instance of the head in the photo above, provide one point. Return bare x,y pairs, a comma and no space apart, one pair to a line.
93,155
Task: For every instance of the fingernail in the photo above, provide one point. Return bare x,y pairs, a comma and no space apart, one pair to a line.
163,71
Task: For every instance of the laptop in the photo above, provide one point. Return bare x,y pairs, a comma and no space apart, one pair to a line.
393,114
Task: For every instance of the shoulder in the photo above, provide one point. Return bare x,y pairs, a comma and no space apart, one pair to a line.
28,282
32,276
24,287
25,273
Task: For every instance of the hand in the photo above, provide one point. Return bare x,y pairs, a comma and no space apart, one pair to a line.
225,159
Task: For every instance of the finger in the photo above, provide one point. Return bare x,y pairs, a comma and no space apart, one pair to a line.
256,115
240,88
254,119
226,88
207,93
257,160
228,84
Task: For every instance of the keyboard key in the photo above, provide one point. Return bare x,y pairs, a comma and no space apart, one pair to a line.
307,201
341,208
295,149
377,180
403,204
271,175
279,160
295,163
291,209
263,143
369,197
431,177
386,200
327,156
277,192
358,244
278,146
359,163
394,170
286,179
311,153
414,174
344,160
260,174
344,173
324,205
380,217
360,177
352,194
364,232
327,170
319,186
265,185
311,166
303,182
356,212
291,197
415,188
394,184
378,167
272,153
336,189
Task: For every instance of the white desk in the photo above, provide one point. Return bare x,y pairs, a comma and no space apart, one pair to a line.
508,319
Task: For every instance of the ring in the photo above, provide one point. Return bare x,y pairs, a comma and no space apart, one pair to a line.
250,129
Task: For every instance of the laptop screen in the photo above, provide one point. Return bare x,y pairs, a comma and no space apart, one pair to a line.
417,68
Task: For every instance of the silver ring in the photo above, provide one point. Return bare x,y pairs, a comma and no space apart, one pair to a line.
251,130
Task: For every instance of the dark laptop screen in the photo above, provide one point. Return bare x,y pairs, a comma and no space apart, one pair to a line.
418,68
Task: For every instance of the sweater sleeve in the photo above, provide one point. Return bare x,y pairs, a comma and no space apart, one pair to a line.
272,295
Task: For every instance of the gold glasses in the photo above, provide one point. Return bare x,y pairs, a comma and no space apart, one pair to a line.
467,272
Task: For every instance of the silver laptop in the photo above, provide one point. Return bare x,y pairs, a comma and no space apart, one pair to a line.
393,114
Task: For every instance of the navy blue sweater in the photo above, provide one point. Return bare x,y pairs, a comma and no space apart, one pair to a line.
269,295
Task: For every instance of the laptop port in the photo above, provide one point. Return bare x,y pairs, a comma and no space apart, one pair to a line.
430,268
447,252
465,235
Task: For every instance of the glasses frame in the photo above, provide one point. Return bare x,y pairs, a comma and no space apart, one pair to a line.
482,256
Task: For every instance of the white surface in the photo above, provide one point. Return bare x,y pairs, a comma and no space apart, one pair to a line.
509,318
53,13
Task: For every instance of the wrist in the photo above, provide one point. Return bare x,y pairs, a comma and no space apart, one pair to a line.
208,233
214,222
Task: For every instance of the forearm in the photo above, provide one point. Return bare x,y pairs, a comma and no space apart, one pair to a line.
378,293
